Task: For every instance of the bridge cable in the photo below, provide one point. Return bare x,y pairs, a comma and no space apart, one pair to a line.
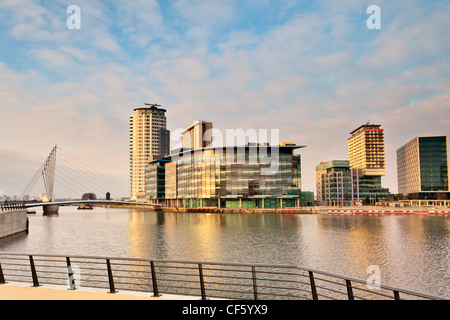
72,165
32,183
67,173
67,177
104,178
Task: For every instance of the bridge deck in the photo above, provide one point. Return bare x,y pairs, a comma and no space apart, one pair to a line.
63,203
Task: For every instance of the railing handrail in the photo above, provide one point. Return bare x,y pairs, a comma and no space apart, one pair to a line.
12,205
311,271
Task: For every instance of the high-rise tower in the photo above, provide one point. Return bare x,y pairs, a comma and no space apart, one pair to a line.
366,150
149,140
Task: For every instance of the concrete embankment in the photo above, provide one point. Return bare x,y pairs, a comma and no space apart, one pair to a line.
242,211
431,212
223,210
12,222
321,210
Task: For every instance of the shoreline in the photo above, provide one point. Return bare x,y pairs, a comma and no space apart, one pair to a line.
331,211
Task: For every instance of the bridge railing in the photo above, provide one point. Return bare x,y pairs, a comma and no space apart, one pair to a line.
14,205
192,278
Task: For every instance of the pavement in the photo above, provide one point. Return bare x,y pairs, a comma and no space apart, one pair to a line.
18,291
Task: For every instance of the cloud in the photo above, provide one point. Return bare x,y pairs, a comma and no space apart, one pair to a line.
312,71
210,13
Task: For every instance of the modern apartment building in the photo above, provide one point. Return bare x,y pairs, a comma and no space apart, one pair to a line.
196,136
422,166
149,140
366,150
251,176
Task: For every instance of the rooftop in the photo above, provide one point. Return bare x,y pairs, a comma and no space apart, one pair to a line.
365,126
181,152
153,107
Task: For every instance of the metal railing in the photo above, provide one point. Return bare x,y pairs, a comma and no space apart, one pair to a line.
192,278
15,205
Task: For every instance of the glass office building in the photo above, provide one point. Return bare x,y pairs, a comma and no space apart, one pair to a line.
155,179
252,176
422,165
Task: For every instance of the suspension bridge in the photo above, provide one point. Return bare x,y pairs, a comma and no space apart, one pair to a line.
76,178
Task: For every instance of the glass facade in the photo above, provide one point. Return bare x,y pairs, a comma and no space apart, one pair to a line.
422,165
235,177
171,180
433,163
155,180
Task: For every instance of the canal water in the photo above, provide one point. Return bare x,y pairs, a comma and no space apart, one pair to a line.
412,252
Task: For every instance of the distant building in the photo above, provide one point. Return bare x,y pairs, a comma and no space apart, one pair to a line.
196,136
339,185
307,199
149,140
422,167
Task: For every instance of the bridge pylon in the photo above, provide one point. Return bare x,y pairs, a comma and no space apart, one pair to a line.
48,174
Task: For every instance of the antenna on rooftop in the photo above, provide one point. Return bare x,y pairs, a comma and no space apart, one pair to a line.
152,104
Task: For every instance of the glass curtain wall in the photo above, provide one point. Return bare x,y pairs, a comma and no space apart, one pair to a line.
234,177
433,163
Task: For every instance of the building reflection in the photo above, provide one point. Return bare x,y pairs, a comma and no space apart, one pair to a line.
403,247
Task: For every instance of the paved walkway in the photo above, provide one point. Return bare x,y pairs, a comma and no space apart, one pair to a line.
26,292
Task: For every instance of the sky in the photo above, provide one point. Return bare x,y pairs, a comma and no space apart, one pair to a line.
312,69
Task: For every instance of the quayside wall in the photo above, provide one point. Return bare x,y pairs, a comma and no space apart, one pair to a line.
12,222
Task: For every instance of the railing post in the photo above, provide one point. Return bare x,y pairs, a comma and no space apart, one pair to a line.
112,289
396,295
202,283
349,290
34,273
255,288
313,286
2,277
154,282
70,274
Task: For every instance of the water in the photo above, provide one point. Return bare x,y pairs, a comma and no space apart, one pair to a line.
411,251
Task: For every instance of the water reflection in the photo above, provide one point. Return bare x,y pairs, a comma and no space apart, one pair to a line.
411,251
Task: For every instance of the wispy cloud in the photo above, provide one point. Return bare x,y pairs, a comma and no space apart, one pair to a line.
311,69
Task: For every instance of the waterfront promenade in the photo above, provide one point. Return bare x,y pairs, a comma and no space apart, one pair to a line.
20,291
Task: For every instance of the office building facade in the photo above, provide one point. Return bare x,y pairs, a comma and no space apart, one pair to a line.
149,139
422,166
337,184
231,177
